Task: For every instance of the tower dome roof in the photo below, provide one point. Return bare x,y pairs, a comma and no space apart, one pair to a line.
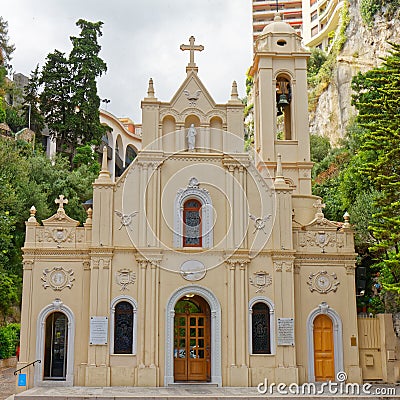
278,26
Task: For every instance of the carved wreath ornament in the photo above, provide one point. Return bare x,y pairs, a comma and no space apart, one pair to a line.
57,278
322,282
260,280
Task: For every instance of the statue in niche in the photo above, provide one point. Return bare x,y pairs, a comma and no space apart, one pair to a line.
191,137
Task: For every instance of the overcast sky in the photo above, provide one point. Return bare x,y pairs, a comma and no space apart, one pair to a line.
140,40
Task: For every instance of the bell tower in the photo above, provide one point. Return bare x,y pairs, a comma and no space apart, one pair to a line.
281,104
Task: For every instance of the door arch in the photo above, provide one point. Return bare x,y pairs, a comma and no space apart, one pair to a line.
337,333
56,307
192,351
215,331
55,347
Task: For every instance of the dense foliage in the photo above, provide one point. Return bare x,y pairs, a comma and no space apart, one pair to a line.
9,339
370,8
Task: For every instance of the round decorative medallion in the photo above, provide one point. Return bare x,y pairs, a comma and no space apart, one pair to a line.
322,282
193,270
57,278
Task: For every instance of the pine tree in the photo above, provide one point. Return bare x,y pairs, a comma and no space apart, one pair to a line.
55,99
69,101
377,99
86,66
6,50
31,102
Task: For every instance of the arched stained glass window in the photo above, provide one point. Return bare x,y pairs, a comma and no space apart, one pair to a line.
261,335
192,223
123,328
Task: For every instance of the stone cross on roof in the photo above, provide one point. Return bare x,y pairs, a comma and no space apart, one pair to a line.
61,201
192,48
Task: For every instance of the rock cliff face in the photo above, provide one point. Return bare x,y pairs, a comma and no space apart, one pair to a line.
361,52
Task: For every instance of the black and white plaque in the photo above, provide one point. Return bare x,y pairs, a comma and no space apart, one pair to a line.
98,330
285,331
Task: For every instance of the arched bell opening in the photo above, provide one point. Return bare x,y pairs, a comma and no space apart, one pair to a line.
283,108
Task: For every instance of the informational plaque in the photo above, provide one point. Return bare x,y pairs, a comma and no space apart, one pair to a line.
285,332
98,330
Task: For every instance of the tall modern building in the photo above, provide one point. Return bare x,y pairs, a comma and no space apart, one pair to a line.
314,20
320,19
264,12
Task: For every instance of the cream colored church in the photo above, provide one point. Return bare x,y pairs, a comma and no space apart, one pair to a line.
202,262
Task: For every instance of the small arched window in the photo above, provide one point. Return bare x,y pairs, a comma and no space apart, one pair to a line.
261,329
192,223
123,328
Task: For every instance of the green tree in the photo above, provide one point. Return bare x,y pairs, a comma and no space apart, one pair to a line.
6,49
8,293
14,119
2,111
85,155
378,103
320,147
55,99
69,100
31,102
86,67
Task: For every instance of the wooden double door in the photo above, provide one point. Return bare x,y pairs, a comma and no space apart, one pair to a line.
192,350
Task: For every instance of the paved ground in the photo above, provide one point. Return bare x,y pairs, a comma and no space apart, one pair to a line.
7,382
192,392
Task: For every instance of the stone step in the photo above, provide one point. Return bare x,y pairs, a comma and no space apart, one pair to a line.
179,391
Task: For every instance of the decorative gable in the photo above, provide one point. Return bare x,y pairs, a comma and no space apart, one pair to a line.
322,235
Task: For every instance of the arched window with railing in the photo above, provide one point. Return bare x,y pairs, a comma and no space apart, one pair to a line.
192,235
193,217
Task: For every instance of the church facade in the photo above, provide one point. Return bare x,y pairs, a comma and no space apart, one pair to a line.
202,262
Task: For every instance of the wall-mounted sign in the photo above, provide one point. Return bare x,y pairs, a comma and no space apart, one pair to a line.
98,330
285,332
22,380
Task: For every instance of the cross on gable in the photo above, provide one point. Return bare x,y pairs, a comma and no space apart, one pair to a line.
61,201
192,48
319,205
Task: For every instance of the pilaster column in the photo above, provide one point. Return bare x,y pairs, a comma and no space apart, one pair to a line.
230,215
142,311
142,204
153,316
232,314
241,208
242,313
27,353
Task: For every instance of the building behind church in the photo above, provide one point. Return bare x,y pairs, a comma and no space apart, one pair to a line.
201,262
